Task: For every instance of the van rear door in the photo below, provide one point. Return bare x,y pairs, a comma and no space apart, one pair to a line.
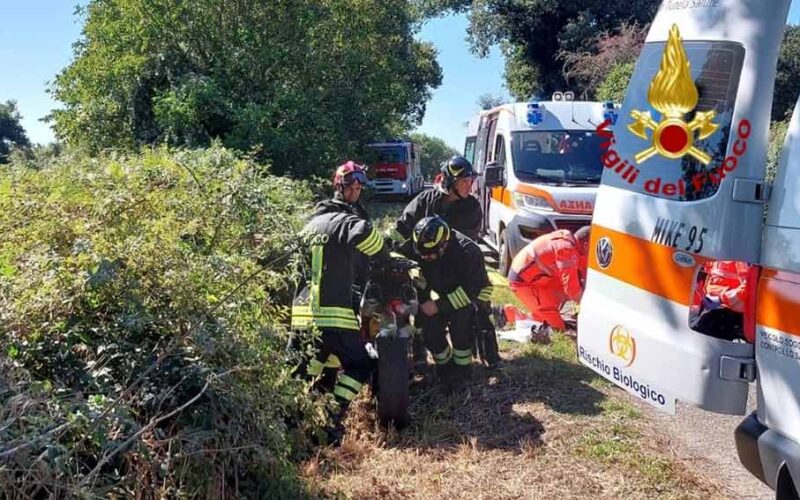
682,185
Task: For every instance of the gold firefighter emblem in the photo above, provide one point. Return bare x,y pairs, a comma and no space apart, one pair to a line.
673,93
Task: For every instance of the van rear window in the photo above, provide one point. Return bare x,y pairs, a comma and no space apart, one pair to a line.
672,143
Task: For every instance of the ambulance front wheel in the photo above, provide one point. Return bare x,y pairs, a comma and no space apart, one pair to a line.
504,259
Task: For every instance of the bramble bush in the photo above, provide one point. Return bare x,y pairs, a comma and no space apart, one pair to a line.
143,304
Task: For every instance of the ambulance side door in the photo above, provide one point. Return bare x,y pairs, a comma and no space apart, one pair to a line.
682,186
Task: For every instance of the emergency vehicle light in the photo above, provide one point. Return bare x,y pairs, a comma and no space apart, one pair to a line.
534,114
609,113
569,96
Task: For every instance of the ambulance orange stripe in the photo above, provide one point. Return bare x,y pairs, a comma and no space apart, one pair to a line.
645,265
779,301
503,195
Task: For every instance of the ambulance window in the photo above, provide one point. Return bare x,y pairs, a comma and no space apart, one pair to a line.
481,144
500,151
469,150
682,156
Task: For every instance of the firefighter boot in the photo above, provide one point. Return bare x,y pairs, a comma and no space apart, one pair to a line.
491,350
541,334
462,376
445,373
334,432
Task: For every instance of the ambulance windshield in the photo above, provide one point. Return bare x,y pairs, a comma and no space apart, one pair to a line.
563,156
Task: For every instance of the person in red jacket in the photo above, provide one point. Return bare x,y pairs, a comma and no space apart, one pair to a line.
719,299
549,271
725,284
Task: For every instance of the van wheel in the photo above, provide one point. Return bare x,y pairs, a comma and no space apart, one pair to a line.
504,262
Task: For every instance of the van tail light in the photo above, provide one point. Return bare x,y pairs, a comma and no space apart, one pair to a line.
751,295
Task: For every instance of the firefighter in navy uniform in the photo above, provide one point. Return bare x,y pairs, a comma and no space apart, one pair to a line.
453,202
452,265
341,243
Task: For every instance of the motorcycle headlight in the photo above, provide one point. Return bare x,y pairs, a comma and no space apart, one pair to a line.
531,202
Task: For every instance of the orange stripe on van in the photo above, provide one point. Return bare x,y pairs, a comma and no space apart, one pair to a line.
778,302
502,195
645,265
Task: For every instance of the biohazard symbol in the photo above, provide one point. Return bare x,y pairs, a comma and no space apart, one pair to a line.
622,344
673,94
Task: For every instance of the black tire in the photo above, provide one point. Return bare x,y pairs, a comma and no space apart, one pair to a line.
504,257
393,381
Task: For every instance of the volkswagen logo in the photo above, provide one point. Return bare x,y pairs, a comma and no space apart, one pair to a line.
604,252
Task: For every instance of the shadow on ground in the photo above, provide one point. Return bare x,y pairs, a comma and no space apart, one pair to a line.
495,410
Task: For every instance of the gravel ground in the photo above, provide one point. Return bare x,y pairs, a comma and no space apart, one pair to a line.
706,439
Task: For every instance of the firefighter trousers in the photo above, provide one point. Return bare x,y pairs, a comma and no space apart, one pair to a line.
356,366
459,325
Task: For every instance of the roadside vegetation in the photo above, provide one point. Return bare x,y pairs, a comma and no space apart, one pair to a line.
142,308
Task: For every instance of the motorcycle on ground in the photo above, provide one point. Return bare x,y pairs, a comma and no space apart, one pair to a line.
388,302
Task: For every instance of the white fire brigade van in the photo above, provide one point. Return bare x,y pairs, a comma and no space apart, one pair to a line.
694,127
395,169
539,168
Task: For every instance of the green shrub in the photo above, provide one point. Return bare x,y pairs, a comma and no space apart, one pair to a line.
142,309
777,135
615,85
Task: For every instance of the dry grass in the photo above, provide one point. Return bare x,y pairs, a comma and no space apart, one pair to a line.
541,426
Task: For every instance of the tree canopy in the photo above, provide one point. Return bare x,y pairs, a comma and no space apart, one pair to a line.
434,152
299,82
787,81
489,101
532,34
619,69
11,131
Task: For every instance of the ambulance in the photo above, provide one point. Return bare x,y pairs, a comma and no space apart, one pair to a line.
395,169
694,127
538,168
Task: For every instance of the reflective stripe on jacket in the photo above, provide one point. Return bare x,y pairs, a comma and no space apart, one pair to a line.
458,276
727,280
340,244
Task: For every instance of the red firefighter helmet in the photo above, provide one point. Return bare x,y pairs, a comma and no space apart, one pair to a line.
348,173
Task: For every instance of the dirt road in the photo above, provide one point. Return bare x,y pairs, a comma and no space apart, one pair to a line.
706,440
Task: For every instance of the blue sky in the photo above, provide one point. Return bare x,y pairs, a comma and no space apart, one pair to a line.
37,35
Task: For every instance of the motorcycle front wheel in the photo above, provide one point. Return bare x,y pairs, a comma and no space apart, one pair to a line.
392,379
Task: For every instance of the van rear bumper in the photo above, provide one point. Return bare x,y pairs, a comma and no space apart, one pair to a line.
769,455
746,435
